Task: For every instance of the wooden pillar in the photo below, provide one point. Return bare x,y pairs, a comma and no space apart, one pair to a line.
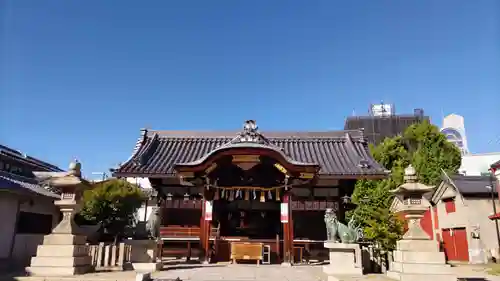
163,216
202,229
204,233
163,211
288,232
290,223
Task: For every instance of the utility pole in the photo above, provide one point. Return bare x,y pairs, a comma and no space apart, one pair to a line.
491,187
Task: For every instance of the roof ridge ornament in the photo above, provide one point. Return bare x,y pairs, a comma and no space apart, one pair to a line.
250,134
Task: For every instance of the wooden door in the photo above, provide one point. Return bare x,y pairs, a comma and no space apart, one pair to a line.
455,244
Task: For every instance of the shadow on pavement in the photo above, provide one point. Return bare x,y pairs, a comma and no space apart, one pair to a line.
189,266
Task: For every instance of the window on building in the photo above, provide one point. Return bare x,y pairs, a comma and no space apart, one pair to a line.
33,223
449,205
14,169
1,166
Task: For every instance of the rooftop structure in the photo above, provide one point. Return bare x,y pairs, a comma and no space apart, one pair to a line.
383,122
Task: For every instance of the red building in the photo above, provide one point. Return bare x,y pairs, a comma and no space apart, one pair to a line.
457,217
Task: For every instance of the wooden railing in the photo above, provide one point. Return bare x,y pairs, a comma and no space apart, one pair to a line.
179,232
185,236
107,256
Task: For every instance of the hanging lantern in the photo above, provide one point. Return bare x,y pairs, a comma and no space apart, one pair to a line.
254,195
247,194
262,197
216,195
277,194
223,194
269,195
231,195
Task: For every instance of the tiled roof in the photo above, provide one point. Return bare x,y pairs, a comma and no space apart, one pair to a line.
336,152
12,182
34,163
472,185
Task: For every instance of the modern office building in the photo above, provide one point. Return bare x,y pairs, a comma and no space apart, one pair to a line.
454,129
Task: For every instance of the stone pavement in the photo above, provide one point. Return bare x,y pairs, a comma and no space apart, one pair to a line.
295,273
474,273
250,272
196,272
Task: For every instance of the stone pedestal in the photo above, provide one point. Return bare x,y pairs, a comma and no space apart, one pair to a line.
477,254
144,255
345,259
419,260
64,251
61,255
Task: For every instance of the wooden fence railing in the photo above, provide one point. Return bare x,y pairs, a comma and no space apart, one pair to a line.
107,256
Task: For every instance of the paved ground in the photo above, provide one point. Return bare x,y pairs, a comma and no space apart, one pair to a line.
249,273
474,273
244,273
296,273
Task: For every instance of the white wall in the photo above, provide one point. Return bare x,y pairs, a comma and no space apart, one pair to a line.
141,182
471,212
25,245
8,211
475,164
143,210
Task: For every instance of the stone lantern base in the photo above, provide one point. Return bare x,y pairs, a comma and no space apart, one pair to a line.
419,260
61,255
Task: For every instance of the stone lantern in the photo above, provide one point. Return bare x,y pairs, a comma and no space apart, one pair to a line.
63,252
411,193
417,257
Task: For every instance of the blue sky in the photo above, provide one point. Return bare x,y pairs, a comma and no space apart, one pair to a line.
80,78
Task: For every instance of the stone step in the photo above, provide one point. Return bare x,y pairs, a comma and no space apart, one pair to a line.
420,276
333,269
60,261
57,271
417,245
418,268
61,250
419,257
64,239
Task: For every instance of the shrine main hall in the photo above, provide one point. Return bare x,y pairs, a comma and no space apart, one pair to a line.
233,195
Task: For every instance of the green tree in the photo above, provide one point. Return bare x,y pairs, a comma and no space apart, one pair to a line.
421,145
431,152
112,204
